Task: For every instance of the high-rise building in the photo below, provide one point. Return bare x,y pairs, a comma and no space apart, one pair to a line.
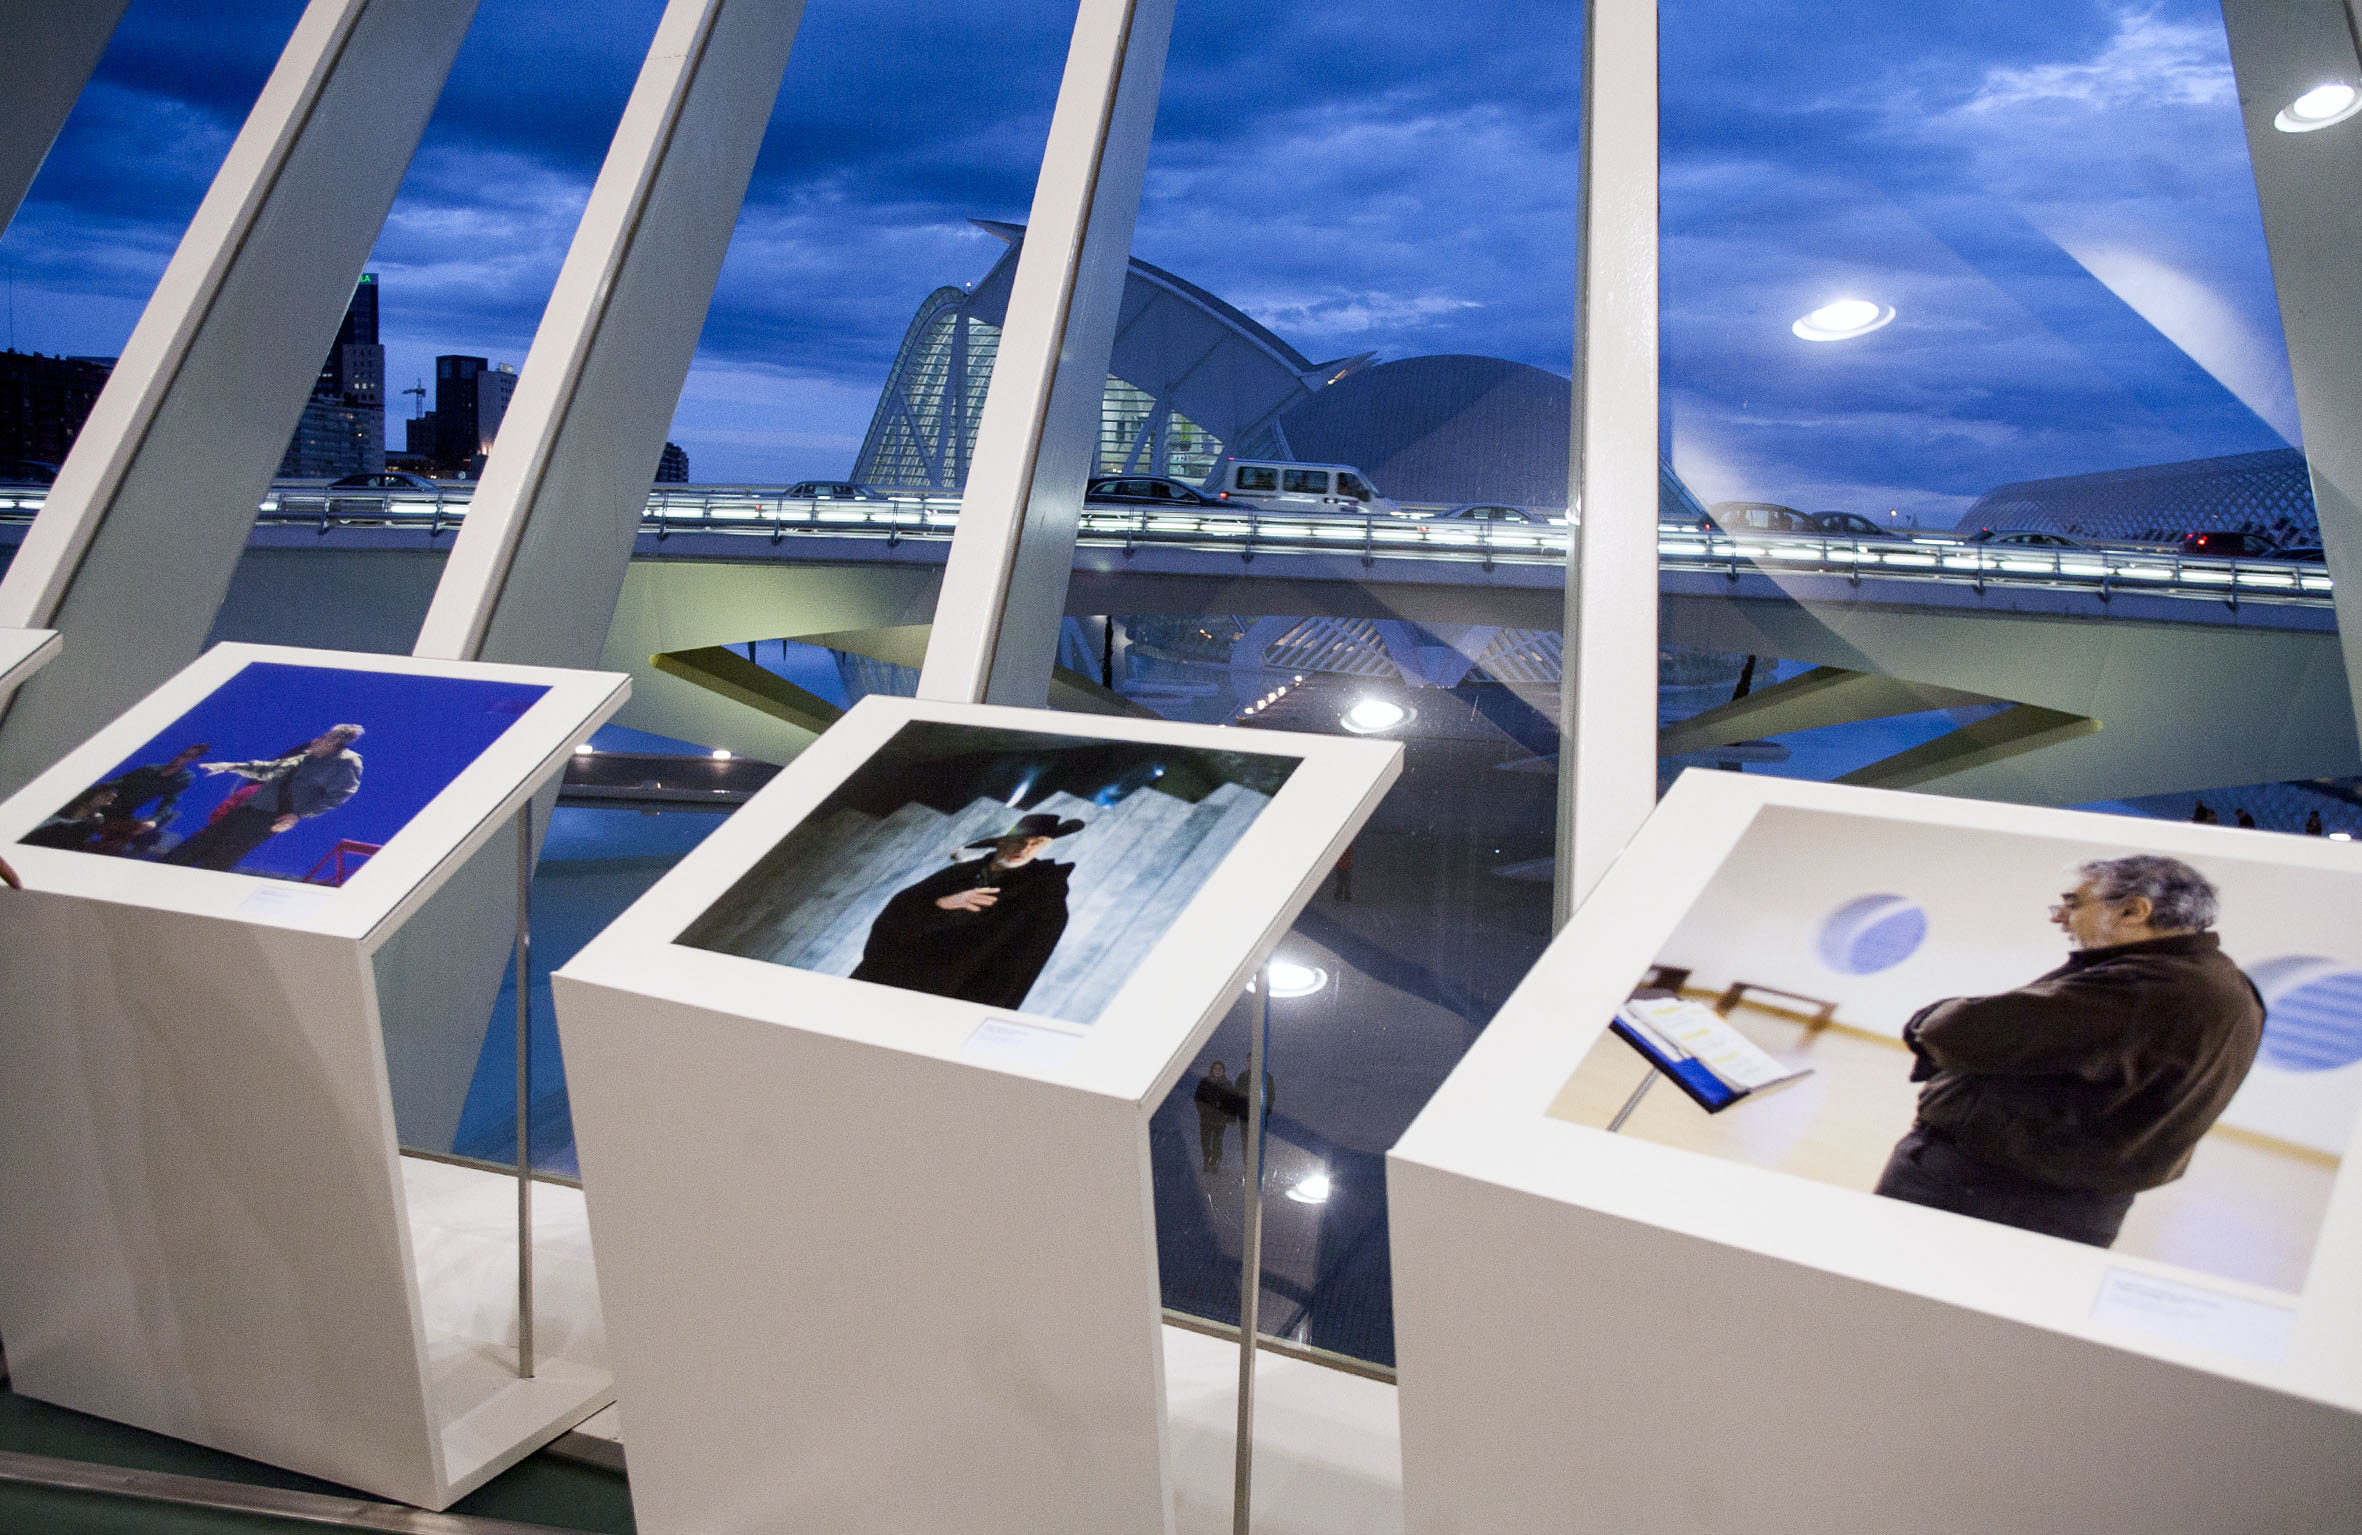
342,430
672,465
458,439
43,401
495,387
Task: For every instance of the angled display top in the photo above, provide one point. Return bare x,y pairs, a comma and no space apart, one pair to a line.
324,791
1073,897
22,653
2154,1151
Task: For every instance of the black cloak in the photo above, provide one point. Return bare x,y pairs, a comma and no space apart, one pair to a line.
992,956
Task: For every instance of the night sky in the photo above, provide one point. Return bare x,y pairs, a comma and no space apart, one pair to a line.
2054,197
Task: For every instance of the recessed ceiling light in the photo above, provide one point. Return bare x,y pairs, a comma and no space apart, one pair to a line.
1843,320
585,749
1289,979
1374,714
722,754
2319,107
1314,1189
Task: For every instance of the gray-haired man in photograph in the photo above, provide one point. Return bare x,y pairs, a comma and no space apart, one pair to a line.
2050,1107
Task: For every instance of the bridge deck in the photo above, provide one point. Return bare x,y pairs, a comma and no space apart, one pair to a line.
752,523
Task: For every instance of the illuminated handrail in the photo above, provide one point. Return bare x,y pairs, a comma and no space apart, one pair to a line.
767,512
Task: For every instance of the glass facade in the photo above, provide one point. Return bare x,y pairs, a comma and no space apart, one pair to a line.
1982,382
923,433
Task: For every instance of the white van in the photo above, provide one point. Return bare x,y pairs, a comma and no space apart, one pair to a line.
1277,486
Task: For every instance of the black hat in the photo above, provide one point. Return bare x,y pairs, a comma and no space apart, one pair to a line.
1039,824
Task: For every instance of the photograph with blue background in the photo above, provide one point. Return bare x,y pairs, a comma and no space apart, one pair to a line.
269,776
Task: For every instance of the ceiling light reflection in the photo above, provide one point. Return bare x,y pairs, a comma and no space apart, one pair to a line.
1314,1189
1843,320
1374,714
1290,979
2321,107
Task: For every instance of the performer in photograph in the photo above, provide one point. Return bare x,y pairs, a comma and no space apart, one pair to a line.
312,780
982,929
145,801
2050,1107
78,824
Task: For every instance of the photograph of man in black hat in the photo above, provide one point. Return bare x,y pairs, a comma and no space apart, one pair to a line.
981,929
881,880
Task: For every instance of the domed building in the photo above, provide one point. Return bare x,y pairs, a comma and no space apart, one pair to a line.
1193,381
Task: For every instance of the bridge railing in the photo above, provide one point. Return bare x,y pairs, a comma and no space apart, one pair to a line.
767,512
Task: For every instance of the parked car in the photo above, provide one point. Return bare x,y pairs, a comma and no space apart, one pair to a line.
2309,554
392,480
1756,517
1280,486
830,490
1136,490
2025,538
1849,525
27,471
1494,511
2229,544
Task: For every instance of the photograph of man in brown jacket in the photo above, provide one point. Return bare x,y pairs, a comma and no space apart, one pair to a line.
2050,1107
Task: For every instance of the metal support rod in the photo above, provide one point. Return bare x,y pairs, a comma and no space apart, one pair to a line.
1633,1102
1250,1261
524,1091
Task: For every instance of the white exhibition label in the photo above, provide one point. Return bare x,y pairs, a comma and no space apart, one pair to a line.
1006,1042
2184,1313
284,900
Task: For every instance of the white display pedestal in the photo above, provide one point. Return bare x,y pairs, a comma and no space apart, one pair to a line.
22,653
865,1266
1598,1332
208,1229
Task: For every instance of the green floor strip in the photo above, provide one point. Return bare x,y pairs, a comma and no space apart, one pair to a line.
545,1490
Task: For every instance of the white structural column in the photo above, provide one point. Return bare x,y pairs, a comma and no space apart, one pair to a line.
536,572
133,551
2310,185
539,565
1004,587
53,45
1607,760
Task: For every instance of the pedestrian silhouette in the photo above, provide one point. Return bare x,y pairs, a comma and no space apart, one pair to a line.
1218,1103
2245,819
2204,815
2313,826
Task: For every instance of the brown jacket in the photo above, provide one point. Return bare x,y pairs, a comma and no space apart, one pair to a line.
2101,1075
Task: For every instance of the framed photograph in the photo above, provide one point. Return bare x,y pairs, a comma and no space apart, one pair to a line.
927,870
298,784
2096,1074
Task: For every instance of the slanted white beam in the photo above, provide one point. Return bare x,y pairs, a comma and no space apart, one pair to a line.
1004,586
134,547
2310,186
537,570
1607,762
53,45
